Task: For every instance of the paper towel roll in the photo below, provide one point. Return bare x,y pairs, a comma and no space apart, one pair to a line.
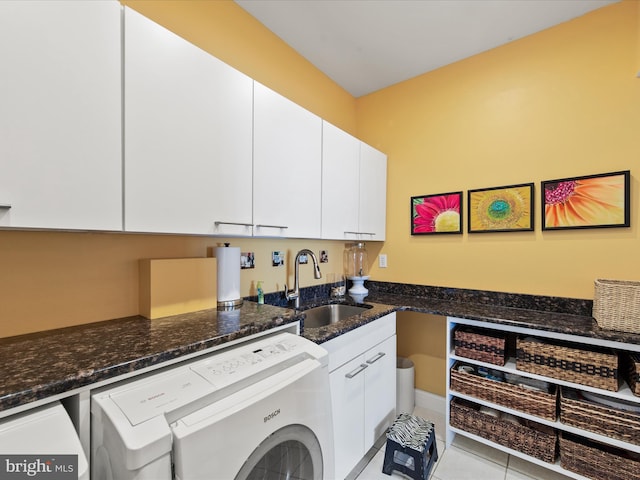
228,277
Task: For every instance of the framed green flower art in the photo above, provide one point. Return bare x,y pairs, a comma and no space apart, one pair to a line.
439,213
501,209
592,201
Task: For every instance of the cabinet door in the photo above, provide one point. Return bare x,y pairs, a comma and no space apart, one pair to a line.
347,397
340,183
380,390
286,167
188,134
60,120
373,193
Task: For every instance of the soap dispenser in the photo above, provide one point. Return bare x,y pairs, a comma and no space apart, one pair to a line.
260,293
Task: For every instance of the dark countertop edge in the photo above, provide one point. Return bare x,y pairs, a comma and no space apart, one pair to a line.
85,378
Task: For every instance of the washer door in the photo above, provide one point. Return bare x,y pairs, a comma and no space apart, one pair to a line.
291,452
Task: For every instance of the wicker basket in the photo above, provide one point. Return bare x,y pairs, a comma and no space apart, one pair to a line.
480,345
596,368
631,368
596,460
598,418
530,438
540,404
616,305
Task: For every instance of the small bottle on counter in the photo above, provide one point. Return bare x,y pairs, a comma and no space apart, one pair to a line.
260,293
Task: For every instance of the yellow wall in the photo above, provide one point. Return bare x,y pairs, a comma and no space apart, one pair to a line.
638,47
560,103
422,338
55,279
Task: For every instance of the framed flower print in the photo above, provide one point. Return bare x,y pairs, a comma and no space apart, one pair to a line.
438,213
501,209
592,201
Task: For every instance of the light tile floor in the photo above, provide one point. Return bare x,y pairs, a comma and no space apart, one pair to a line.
466,459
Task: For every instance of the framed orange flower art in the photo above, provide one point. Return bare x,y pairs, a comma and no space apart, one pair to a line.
501,209
592,201
440,213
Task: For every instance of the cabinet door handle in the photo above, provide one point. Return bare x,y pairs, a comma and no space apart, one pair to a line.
271,226
356,371
5,207
233,223
376,358
360,233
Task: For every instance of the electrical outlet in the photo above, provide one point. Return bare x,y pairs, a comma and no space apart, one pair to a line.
382,260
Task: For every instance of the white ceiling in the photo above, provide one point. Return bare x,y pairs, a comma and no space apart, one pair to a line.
366,45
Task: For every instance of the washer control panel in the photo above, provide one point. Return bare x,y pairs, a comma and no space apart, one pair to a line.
237,364
163,392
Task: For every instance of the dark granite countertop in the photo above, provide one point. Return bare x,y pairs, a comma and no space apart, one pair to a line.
37,366
41,365
559,322
553,314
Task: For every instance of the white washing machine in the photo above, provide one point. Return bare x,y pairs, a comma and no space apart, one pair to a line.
45,438
259,410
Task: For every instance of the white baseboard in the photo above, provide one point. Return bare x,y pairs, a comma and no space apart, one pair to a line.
430,401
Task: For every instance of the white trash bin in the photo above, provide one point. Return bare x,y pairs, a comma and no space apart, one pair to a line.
405,389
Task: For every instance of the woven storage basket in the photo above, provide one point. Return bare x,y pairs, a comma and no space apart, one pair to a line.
480,345
596,460
540,404
595,417
631,368
596,368
530,438
616,305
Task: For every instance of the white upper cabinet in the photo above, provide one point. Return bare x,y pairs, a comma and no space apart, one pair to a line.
188,136
60,115
340,183
286,167
373,193
354,187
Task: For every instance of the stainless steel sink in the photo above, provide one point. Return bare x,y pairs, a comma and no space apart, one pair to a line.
329,314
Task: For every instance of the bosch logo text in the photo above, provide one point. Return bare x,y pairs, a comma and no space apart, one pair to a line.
272,415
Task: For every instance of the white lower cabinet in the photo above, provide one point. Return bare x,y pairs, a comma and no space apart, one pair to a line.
380,390
347,398
362,365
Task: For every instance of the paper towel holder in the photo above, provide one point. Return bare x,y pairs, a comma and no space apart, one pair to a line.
224,300
230,304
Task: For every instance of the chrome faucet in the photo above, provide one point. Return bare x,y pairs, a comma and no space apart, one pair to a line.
295,293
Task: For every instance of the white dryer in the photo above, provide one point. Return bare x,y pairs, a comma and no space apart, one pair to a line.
258,410
46,436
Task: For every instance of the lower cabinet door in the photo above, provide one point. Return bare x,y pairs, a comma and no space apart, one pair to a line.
380,390
347,394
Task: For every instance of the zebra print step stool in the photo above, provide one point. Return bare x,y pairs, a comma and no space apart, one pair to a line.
411,447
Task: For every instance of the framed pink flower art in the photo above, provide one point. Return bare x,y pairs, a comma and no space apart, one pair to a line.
592,201
439,213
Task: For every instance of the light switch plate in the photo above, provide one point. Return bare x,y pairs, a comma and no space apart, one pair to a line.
382,260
